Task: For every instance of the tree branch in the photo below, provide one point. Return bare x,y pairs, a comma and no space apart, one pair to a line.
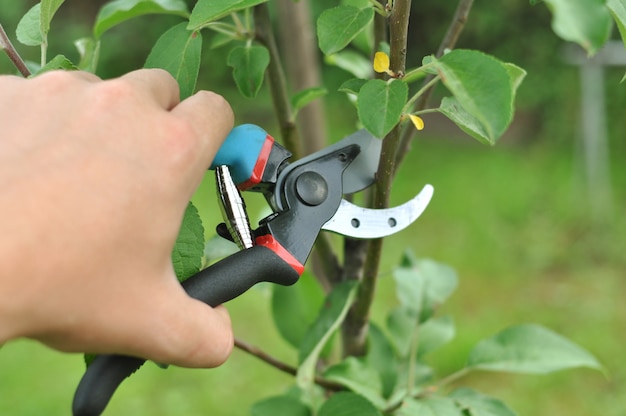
277,81
299,48
355,251
357,321
14,56
284,367
449,42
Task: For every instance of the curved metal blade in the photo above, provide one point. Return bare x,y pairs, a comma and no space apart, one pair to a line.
354,221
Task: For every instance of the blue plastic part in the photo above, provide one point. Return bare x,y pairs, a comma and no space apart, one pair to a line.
240,151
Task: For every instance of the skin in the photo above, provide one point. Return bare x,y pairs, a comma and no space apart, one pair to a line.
95,178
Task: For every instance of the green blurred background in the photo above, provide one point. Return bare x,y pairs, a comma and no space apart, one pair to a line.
513,220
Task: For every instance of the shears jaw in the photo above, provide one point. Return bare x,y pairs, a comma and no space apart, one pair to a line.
357,222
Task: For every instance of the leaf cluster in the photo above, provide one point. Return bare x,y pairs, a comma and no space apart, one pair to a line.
394,377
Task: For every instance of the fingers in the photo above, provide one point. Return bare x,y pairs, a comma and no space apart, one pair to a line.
158,84
183,331
211,119
167,327
86,76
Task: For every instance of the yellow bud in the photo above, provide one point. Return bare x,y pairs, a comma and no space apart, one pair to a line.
381,62
417,121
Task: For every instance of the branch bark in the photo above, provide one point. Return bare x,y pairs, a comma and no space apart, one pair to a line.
284,367
449,42
357,322
299,46
14,56
277,81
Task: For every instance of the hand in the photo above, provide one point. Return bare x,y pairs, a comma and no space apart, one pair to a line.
95,178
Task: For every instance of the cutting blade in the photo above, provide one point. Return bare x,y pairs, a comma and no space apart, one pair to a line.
354,221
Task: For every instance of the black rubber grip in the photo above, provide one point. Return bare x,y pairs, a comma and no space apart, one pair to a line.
217,284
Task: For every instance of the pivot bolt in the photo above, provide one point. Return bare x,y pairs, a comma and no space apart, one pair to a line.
311,188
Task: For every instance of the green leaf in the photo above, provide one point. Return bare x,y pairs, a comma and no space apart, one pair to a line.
294,308
347,404
306,96
359,377
119,11
352,62
483,90
586,22
28,29
249,64
471,125
477,404
280,406
380,105
451,108
187,253
423,285
338,26
331,315
220,39
58,62
48,9
207,11
380,356
352,86
435,333
618,11
89,51
402,323
431,406
530,349
178,52
516,75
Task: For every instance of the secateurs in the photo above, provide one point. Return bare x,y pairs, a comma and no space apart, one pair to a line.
306,196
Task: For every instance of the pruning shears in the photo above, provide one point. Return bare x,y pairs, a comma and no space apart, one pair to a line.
306,196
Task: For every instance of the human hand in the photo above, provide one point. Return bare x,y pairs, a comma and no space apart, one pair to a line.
95,178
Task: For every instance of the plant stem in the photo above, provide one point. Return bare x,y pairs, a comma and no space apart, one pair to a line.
14,56
277,81
44,52
449,41
301,56
452,377
357,321
284,367
358,263
421,92
413,356
398,33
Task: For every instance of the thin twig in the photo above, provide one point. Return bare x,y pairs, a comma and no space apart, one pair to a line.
284,367
451,378
14,56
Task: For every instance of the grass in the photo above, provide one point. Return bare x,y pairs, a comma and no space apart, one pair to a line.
512,220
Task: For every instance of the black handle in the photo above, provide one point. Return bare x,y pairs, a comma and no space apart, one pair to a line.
217,284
